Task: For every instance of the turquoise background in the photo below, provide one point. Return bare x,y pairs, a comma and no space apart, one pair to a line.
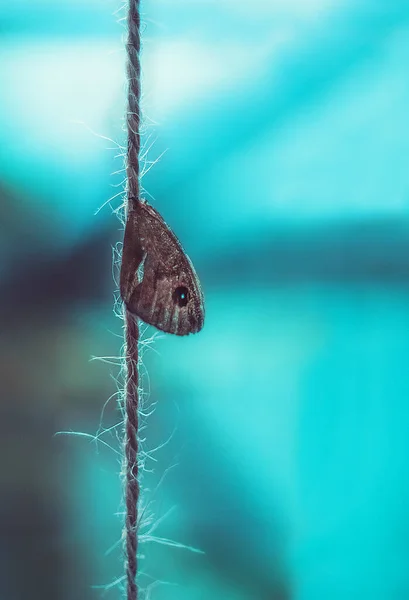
279,446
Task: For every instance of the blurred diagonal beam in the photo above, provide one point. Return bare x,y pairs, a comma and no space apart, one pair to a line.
350,36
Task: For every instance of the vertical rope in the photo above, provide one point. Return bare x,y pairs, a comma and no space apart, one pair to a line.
131,323
131,455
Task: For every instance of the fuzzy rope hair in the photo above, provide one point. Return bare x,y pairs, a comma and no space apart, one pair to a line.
131,323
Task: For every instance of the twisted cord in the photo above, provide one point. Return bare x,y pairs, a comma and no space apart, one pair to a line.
131,324
134,93
131,455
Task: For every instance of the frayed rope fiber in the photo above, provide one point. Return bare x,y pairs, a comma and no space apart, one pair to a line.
131,324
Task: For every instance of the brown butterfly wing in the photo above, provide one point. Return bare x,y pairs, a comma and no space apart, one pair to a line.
166,292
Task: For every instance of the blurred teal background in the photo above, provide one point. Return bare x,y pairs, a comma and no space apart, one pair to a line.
282,430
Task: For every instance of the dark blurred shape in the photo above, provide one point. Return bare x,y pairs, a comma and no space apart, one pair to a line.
46,284
41,296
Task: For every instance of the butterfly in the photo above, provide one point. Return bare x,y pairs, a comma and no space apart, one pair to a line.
158,282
